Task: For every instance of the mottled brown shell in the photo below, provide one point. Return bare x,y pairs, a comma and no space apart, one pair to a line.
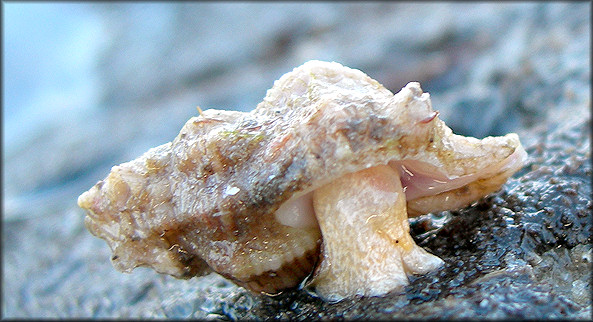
207,200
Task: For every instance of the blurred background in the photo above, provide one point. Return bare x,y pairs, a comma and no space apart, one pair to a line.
90,85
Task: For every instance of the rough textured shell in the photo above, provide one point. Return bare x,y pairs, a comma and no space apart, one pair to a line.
208,198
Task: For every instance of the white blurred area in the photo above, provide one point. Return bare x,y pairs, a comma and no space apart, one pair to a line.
50,86
48,69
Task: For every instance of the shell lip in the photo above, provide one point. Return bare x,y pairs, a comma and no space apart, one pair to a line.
515,161
289,276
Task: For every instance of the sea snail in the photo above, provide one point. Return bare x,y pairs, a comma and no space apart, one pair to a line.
316,183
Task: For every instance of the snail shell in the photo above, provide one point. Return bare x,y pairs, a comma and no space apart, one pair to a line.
320,177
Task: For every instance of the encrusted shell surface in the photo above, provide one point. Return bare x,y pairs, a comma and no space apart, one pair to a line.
238,193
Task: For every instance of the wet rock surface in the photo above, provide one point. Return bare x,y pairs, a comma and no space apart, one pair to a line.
524,252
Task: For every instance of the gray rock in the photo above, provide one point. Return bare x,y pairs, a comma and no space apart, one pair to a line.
524,252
